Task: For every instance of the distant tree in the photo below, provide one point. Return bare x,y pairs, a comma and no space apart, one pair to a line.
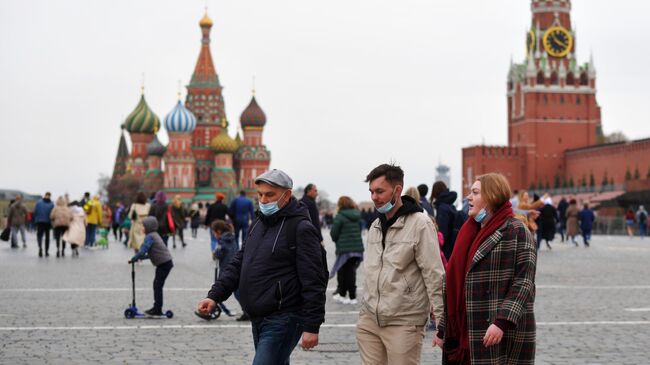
615,137
605,180
565,183
583,181
611,181
123,189
592,180
547,186
540,186
628,175
571,184
102,185
637,175
556,183
532,186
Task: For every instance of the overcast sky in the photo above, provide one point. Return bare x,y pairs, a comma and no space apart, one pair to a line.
346,85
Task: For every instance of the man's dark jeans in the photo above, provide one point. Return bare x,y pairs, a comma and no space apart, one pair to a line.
275,337
158,282
43,230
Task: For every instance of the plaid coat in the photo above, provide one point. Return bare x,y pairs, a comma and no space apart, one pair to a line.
500,284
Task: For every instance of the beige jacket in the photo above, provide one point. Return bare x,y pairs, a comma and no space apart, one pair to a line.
404,278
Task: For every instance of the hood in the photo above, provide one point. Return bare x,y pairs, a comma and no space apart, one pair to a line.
60,202
351,214
150,224
446,197
293,209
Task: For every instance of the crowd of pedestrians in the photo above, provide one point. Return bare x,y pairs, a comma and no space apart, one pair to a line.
468,273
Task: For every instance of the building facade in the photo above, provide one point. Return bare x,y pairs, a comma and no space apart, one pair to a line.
201,158
554,119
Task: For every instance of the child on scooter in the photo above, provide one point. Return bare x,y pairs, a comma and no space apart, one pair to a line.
154,249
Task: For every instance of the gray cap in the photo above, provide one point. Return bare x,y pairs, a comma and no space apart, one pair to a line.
277,178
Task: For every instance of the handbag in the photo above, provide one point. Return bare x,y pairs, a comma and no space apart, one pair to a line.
6,233
170,220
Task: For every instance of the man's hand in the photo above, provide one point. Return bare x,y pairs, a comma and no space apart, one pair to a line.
309,340
130,261
206,306
493,336
437,341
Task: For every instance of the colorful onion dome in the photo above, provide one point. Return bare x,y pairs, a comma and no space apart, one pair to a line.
180,119
155,148
142,119
223,143
253,116
206,21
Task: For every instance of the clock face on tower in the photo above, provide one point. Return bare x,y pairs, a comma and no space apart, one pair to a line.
557,41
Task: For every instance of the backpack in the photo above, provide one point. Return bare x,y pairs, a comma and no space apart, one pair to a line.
643,217
291,234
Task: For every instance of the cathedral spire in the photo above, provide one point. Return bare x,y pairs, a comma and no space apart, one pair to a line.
205,74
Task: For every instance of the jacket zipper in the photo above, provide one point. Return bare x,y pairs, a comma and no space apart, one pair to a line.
381,267
280,288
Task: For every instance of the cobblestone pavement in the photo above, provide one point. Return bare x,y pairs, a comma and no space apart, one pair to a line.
593,307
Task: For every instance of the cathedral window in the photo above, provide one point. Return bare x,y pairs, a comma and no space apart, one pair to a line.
584,80
540,77
554,78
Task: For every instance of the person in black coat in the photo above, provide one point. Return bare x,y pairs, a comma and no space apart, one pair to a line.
562,206
159,209
548,217
281,284
443,200
309,199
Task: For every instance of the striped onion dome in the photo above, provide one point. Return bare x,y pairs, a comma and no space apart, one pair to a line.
223,143
180,119
142,119
253,115
155,148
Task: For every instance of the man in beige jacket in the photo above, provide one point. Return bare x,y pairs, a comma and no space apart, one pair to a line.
403,274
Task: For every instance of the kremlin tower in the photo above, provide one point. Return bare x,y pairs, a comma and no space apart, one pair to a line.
201,157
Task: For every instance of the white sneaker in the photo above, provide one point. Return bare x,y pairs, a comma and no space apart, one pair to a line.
352,301
345,301
337,298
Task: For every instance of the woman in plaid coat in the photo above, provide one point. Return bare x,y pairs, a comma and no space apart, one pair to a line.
490,284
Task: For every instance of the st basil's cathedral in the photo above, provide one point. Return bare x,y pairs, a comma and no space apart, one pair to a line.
201,157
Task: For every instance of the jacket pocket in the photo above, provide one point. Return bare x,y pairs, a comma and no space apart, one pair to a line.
408,289
278,294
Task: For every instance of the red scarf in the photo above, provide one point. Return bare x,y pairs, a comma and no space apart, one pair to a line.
469,239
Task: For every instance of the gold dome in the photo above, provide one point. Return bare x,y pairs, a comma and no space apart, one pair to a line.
206,21
223,143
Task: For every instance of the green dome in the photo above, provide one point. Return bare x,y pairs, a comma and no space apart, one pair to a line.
223,143
142,119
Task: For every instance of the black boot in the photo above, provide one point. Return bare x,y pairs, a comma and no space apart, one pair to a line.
40,252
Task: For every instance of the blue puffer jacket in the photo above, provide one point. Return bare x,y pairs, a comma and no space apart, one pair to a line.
275,278
42,211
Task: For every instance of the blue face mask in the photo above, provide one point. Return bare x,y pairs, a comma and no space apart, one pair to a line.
480,217
271,208
386,207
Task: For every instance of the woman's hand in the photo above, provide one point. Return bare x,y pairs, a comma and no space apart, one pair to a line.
437,341
493,336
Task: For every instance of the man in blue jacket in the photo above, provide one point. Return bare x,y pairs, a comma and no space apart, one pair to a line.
242,212
280,274
43,223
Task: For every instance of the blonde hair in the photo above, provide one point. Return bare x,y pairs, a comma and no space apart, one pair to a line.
413,193
345,202
495,190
